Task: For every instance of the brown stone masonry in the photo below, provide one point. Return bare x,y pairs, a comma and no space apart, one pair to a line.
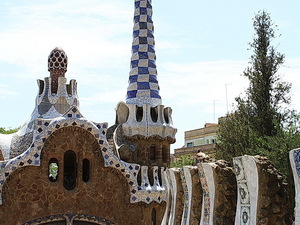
29,193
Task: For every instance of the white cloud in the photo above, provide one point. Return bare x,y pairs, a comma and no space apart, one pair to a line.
201,82
5,93
91,34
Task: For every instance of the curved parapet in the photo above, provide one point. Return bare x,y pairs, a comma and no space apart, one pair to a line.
219,193
176,196
262,196
169,188
146,121
295,164
186,180
247,183
208,186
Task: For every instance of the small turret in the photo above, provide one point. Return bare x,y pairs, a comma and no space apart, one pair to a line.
57,66
55,97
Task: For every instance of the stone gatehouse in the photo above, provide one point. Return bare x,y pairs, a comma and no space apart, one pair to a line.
62,168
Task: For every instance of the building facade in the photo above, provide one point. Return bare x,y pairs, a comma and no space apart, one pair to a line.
61,168
199,140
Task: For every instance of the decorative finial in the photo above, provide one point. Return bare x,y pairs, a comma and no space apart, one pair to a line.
57,66
143,85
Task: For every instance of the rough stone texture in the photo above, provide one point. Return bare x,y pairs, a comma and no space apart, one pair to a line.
179,199
225,193
29,193
141,154
201,157
272,199
196,204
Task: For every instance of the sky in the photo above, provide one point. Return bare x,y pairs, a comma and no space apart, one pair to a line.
201,47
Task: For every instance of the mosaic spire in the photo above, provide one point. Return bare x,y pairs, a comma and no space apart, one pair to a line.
143,85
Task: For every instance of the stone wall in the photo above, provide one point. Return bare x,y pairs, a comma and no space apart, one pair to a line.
226,195
272,199
28,194
196,203
250,191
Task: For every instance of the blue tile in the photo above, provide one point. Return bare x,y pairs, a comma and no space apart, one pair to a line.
143,70
143,55
143,85
135,48
133,79
143,11
143,40
131,94
151,64
143,25
134,63
136,33
152,79
154,94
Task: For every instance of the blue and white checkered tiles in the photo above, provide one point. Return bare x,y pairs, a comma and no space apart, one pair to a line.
143,85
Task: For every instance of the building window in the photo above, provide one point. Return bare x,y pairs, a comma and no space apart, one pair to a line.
69,170
85,170
139,114
154,114
53,170
153,153
189,144
166,115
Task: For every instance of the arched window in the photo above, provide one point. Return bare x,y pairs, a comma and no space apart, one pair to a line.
139,114
69,170
85,170
154,114
53,170
166,115
153,217
153,153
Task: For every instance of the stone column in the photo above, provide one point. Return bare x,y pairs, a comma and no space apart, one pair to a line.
262,197
219,193
177,197
186,181
247,183
197,195
208,186
295,164
168,184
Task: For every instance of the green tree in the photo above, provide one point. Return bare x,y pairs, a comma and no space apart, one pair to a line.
266,91
185,160
8,131
261,122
